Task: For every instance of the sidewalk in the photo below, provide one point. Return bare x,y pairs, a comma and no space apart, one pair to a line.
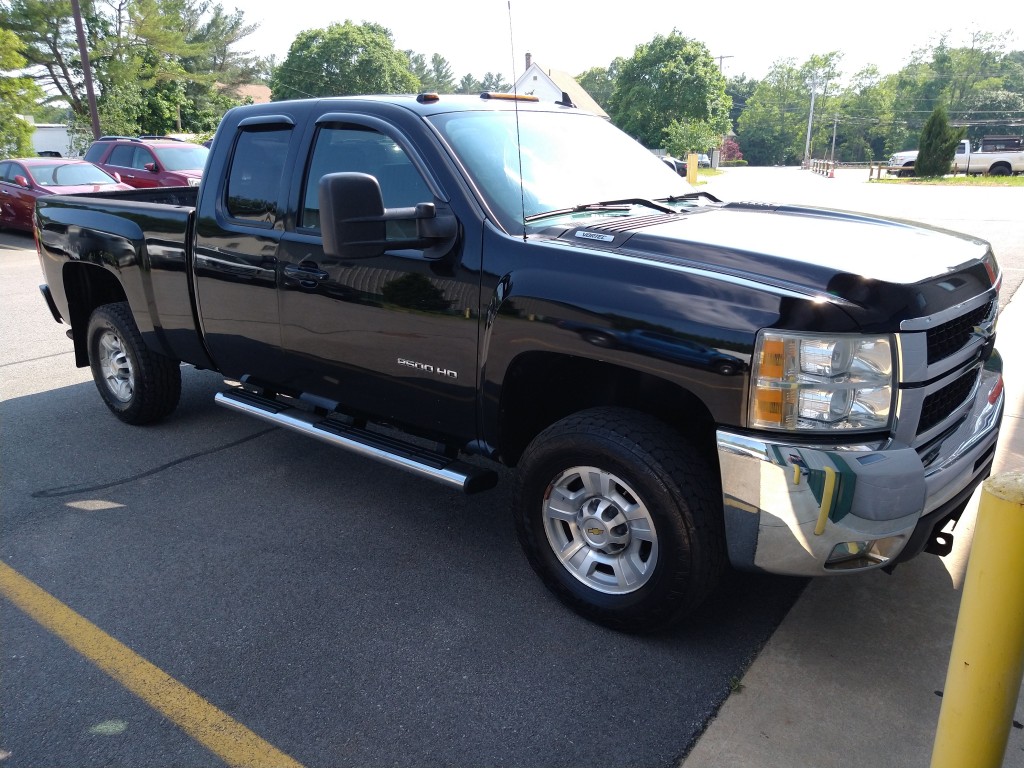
852,675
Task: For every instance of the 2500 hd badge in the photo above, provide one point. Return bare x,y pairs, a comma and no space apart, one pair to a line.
427,368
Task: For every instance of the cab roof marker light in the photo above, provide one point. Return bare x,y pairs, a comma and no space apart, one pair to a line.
427,98
508,96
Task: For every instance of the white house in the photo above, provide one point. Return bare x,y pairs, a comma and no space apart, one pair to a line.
549,85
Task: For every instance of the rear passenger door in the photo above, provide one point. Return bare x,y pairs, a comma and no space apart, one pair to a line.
236,252
392,335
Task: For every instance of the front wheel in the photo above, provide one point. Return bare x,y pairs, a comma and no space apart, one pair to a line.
620,518
138,385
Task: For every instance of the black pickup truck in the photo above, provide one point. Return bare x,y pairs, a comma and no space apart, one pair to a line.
442,283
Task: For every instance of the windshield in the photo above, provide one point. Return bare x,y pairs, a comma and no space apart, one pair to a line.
187,157
568,160
70,175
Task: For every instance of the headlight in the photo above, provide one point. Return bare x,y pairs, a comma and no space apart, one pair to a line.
816,383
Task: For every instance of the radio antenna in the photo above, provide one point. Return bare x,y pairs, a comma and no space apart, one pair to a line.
515,101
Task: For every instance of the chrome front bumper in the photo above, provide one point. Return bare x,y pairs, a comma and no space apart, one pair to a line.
810,510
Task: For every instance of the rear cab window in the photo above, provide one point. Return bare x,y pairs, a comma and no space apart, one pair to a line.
256,175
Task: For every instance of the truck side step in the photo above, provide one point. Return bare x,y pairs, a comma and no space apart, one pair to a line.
397,453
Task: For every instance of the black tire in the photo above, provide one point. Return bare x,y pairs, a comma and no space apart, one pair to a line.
667,486
138,385
1000,170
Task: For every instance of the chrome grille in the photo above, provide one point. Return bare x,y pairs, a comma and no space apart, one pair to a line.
946,339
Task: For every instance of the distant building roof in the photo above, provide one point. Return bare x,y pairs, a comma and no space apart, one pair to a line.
259,93
551,83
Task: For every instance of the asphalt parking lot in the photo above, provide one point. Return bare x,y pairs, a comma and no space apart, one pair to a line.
344,613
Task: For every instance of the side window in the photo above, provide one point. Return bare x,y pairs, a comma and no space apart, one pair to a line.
17,169
255,178
5,171
362,150
143,156
95,152
122,156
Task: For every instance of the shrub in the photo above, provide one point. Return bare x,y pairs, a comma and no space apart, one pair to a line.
938,145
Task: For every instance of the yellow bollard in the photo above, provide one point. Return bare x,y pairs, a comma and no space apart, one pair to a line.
987,658
691,168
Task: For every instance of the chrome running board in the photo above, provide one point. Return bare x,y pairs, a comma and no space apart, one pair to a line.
334,431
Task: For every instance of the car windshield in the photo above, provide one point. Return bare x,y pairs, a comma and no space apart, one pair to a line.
187,157
569,161
70,175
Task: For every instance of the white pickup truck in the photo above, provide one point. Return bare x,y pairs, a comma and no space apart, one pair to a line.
982,160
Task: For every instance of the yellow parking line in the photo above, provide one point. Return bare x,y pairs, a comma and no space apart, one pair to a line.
228,739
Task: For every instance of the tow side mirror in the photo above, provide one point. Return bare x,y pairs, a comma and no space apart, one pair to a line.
354,221
351,215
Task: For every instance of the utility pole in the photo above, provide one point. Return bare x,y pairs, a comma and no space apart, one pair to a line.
835,126
86,69
720,59
810,119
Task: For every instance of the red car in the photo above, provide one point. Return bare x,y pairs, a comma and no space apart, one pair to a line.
150,162
23,180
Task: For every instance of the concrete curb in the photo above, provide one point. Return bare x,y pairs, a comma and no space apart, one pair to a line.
856,669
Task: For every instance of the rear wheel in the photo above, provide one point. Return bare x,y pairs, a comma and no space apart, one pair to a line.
999,170
138,385
620,518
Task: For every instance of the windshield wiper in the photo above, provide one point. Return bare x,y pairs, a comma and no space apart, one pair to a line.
689,196
607,205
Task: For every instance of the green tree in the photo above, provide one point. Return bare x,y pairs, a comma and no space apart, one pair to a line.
773,127
343,60
599,82
739,89
164,57
494,83
938,143
434,76
684,136
469,84
770,126
18,95
420,70
669,79
976,83
443,76
48,43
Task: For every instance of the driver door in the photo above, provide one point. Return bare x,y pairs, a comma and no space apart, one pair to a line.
394,335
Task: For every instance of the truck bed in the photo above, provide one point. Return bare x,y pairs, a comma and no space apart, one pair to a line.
141,237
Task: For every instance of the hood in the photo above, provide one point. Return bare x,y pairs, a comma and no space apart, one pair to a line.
867,262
